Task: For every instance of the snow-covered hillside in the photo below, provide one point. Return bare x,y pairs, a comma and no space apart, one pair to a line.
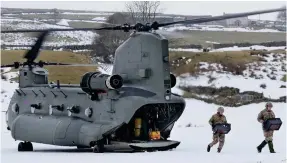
55,39
269,73
192,129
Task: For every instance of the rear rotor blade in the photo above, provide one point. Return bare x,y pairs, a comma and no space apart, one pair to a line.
15,65
11,65
216,18
71,64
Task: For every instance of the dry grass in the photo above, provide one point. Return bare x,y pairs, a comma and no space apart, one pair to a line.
279,51
233,61
200,37
66,74
284,78
229,59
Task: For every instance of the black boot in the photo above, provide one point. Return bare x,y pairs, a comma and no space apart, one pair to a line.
262,145
270,145
208,148
218,150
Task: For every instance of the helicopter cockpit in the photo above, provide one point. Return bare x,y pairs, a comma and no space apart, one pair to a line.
40,75
27,77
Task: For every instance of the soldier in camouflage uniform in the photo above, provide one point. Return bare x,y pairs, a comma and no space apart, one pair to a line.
217,118
265,114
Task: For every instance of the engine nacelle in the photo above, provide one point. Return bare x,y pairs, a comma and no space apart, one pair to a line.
96,82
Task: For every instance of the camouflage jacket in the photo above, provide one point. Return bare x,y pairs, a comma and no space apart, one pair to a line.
217,119
264,115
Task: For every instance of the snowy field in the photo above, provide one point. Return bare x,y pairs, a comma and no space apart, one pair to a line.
240,143
55,38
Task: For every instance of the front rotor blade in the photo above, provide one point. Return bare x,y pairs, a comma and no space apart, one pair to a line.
11,65
55,29
15,65
216,18
70,64
32,54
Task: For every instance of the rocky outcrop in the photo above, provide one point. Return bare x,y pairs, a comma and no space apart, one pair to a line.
247,44
226,96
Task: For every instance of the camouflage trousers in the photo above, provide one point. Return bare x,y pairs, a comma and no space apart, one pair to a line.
216,138
268,135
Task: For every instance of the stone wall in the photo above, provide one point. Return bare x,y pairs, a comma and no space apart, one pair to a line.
246,44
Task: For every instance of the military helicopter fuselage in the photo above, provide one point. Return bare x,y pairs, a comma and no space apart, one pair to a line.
103,107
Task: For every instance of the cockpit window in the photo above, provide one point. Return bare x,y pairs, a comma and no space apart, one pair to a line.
40,79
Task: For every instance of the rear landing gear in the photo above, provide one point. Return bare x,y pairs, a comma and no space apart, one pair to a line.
99,147
25,146
82,147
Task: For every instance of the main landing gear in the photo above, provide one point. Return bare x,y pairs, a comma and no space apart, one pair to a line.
99,147
25,146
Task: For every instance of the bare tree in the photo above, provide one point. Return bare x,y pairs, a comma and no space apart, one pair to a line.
282,16
143,11
56,15
108,41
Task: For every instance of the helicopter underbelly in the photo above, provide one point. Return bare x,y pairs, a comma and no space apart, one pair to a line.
70,128
47,129
55,131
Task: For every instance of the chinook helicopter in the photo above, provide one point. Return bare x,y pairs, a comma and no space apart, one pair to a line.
131,109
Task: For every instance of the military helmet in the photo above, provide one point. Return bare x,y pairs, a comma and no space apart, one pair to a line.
220,109
268,104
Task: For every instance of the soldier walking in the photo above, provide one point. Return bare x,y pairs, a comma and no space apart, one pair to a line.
217,118
264,115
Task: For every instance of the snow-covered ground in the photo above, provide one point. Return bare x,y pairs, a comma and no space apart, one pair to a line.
240,144
63,22
272,89
65,13
7,87
87,13
234,48
263,72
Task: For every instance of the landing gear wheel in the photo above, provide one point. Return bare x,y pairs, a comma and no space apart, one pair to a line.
21,147
81,147
25,146
99,148
29,146
150,150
